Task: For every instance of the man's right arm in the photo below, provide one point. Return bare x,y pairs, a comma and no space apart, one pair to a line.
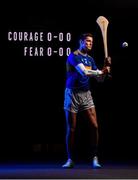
87,72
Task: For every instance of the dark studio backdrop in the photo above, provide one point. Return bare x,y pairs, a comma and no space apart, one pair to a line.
32,88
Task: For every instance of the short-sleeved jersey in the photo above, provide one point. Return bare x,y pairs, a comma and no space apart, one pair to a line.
74,79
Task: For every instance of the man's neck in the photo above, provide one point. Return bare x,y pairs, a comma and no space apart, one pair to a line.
82,52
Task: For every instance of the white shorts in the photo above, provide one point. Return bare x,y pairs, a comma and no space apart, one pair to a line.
76,101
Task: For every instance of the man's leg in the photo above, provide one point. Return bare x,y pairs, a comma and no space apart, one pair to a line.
92,117
70,135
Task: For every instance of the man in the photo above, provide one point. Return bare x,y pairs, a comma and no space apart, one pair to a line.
80,67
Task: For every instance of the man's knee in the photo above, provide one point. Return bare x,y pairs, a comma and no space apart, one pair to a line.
95,125
72,129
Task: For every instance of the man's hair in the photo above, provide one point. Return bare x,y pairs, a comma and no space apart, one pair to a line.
83,36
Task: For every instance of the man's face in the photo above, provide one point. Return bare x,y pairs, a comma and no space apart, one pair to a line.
87,43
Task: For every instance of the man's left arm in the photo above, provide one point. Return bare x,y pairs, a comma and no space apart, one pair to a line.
107,65
105,70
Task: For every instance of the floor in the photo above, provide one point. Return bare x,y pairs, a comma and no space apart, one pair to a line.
54,171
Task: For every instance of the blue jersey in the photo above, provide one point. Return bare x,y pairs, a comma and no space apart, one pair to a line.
75,80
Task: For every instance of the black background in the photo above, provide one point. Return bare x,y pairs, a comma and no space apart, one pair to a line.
32,118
